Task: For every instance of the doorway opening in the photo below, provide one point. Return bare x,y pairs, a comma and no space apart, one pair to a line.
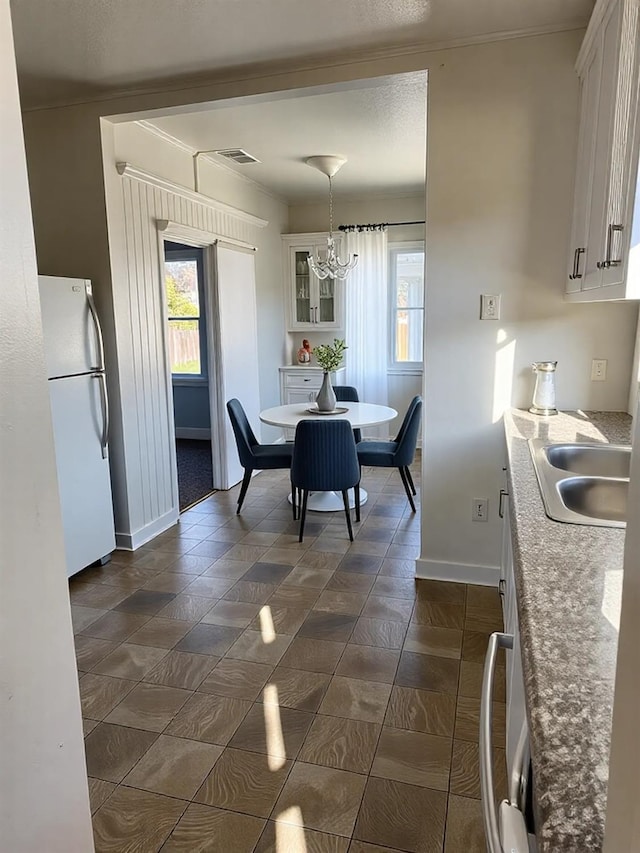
185,295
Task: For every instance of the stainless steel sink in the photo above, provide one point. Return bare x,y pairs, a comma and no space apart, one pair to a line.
595,497
592,460
583,483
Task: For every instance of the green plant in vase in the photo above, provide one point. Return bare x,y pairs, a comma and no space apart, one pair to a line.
329,357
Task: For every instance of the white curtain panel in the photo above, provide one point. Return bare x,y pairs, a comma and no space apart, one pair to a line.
367,322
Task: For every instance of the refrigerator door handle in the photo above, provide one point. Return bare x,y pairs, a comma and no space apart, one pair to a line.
489,813
96,322
104,402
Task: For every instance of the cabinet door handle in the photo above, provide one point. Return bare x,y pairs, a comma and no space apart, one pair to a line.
575,273
489,814
503,494
609,261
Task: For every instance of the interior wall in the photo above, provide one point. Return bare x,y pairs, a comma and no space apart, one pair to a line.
313,216
191,410
501,155
44,802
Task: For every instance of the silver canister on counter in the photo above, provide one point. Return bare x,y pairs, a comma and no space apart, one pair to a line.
544,394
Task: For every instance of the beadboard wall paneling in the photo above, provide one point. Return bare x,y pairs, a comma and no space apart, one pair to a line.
148,419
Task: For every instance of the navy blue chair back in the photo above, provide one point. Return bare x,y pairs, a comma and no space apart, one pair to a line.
245,437
407,438
348,394
324,456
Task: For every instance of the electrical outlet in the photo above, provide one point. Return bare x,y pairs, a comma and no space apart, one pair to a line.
479,509
490,306
598,369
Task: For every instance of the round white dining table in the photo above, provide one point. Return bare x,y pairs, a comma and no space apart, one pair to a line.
359,415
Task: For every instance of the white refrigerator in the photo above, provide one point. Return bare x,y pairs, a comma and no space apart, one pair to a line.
74,355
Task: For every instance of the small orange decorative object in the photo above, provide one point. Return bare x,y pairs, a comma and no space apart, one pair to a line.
304,353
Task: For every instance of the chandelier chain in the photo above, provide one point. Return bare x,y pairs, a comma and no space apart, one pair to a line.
330,208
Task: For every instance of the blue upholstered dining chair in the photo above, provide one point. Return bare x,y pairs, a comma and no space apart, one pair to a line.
398,453
348,394
253,455
324,460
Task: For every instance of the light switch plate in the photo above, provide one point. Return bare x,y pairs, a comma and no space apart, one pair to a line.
598,369
490,306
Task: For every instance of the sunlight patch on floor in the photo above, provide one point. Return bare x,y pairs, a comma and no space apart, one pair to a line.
290,831
266,625
276,754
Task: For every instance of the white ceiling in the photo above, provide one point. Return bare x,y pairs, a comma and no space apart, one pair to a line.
81,49
380,129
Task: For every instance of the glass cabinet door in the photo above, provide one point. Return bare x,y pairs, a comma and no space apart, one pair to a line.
302,286
327,300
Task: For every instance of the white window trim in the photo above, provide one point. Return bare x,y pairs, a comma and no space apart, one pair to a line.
400,368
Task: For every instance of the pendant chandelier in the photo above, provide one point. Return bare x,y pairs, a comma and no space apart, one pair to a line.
330,266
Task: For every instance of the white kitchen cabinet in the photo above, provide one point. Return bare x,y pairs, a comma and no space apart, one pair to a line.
601,254
300,383
312,304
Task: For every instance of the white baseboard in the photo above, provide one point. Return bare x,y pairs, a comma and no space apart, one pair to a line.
131,541
193,432
457,572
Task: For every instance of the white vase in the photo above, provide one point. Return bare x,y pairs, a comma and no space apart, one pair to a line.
326,399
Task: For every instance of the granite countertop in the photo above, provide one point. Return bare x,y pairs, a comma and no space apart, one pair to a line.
568,586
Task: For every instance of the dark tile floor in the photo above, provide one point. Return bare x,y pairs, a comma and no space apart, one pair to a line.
243,692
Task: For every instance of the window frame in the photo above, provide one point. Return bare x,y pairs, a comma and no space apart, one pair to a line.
412,368
189,253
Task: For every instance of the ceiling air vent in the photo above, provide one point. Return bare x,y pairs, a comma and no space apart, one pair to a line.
238,155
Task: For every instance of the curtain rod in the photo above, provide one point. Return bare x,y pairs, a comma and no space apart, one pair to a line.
379,226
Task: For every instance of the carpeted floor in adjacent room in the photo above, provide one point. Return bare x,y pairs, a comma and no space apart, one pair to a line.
195,473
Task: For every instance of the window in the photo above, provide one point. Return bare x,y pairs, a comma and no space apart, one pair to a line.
406,303
184,288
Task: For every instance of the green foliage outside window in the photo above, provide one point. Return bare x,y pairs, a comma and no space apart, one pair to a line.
178,303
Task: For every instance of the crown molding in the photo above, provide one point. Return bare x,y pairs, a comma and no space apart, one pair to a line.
298,65
149,127
129,171
165,137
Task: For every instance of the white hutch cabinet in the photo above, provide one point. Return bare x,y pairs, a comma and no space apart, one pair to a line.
311,304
